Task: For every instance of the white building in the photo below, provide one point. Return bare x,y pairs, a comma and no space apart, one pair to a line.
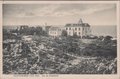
55,31
80,29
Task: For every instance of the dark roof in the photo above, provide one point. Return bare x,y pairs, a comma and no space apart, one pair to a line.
77,25
55,29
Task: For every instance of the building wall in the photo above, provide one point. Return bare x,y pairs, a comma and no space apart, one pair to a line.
86,31
80,31
55,31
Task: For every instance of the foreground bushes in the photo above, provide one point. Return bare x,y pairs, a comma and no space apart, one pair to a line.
98,66
55,56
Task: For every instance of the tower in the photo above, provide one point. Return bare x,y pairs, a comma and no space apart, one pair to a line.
80,21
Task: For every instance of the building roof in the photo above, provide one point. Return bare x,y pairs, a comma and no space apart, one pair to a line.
77,25
55,29
80,21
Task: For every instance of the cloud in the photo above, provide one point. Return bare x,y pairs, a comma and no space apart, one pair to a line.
56,10
82,10
73,9
62,13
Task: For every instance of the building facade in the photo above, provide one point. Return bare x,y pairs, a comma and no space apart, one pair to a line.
55,31
80,29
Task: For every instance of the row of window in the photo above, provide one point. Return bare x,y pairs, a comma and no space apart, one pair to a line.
71,29
78,33
84,29
75,28
71,33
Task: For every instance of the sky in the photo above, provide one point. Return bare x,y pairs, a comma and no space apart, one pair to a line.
59,14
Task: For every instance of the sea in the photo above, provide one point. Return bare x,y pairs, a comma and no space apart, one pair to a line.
103,30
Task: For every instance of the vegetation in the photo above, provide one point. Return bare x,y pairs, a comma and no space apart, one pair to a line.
64,33
62,55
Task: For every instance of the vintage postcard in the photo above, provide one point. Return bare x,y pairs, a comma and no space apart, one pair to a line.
60,39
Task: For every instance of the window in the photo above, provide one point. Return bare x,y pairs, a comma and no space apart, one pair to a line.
83,28
75,28
79,28
69,28
66,28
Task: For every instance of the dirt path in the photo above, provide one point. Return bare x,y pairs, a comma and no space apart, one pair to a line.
78,59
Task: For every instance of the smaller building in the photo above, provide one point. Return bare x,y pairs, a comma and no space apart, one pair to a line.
47,29
55,31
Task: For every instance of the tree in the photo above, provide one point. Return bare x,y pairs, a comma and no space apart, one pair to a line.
108,38
38,30
75,35
64,33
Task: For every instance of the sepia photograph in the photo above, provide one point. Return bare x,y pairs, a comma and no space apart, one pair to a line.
63,38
